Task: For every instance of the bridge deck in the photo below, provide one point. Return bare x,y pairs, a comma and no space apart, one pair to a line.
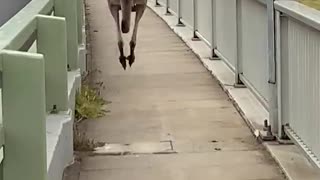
166,96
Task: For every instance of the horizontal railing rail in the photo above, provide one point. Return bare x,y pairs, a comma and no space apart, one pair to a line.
21,27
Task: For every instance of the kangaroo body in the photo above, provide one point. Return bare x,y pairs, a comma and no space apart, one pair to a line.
127,7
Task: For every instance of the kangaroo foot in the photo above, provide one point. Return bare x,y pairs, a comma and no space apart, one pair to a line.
123,62
131,59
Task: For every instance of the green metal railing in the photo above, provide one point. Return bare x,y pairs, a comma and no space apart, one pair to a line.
33,84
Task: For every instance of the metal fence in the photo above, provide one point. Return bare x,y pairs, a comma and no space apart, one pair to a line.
273,47
33,84
299,55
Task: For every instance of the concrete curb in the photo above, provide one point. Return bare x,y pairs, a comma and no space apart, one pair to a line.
60,133
289,157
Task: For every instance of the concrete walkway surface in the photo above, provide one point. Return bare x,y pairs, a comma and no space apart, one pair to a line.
166,100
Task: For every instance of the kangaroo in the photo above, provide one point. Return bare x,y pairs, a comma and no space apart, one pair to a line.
127,7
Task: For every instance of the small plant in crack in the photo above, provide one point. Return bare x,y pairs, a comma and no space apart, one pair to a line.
89,105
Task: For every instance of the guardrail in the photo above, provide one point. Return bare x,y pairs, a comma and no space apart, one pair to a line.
35,84
298,45
273,49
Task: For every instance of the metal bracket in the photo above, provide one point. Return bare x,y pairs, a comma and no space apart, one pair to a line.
195,37
157,4
239,83
284,138
54,110
266,134
180,24
168,13
214,56
271,82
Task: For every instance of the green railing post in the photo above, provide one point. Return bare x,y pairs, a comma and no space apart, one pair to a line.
80,17
68,9
167,8
23,96
179,4
81,38
52,44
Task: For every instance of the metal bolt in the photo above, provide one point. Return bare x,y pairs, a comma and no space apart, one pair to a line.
269,132
54,109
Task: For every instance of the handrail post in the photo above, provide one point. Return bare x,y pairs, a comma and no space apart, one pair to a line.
80,13
214,56
68,9
54,49
24,116
273,103
278,54
167,8
180,24
81,38
195,21
238,58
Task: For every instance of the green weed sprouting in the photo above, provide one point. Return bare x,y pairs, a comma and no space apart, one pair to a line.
89,105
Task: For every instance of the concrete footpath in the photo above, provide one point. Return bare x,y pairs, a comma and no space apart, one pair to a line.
169,117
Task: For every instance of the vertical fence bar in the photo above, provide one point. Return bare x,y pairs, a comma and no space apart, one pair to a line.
273,102
68,9
81,38
80,13
179,14
214,56
278,52
54,49
167,8
23,93
195,21
238,69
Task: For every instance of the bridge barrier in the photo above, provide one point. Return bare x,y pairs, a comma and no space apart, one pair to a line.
272,47
42,50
